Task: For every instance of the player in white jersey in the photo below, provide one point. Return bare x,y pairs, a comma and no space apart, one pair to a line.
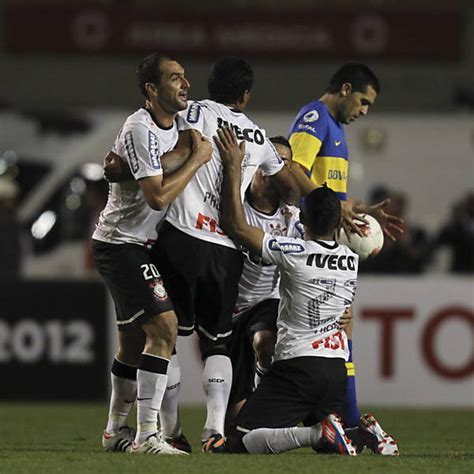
254,321
200,265
318,282
146,321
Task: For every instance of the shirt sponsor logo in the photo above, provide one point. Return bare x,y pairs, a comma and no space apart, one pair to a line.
194,113
307,128
154,150
337,142
285,247
337,174
132,154
331,262
311,116
252,135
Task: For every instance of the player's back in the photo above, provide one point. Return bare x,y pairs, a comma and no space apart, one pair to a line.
318,282
196,210
127,217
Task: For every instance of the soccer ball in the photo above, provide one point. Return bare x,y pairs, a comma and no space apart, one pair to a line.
369,245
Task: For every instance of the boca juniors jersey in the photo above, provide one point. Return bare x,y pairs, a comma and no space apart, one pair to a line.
318,282
319,144
196,210
127,217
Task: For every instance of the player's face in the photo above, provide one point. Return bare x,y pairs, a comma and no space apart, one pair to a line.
285,154
172,92
262,181
356,104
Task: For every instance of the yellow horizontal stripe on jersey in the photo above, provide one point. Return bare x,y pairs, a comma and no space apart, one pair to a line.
351,373
305,147
349,365
331,170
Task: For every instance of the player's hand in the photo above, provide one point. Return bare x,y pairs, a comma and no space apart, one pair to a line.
350,217
346,318
202,148
115,169
230,151
390,224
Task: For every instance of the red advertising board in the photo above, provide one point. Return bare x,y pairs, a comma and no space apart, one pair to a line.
253,33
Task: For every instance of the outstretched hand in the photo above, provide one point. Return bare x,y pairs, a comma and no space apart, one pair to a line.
390,224
230,151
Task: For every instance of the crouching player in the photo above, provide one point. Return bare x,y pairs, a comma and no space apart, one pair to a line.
318,279
254,321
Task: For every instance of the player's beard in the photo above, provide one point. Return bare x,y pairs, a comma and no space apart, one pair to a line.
172,104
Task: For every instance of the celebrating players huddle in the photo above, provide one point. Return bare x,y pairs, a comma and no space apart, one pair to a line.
202,233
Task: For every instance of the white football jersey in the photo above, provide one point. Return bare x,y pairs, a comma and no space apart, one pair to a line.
127,217
196,210
260,279
318,282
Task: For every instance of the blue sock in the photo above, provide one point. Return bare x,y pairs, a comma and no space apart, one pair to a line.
351,411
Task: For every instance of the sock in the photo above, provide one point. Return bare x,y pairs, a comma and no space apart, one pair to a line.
122,398
151,386
279,440
216,381
169,414
351,410
260,372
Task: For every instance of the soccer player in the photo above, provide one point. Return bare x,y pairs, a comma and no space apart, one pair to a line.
126,229
318,281
200,265
321,155
254,321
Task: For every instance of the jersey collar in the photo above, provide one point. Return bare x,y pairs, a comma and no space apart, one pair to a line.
328,244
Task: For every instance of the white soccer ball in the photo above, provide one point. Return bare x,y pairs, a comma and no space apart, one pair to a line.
370,244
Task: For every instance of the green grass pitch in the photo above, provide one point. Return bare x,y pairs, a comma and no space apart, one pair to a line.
65,438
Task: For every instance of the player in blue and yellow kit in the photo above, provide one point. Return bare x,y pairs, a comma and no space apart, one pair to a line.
321,155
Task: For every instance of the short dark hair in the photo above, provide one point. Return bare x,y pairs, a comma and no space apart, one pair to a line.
149,70
230,77
358,75
322,210
280,140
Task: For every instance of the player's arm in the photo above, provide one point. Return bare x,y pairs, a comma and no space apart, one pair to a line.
305,147
233,218
301,177
116,169
159,191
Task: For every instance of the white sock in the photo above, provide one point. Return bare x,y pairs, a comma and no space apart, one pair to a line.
169,414
151,386
122,398
260,372
274,441
217,382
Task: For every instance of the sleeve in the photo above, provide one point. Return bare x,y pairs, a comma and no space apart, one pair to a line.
307,135
141,149
272,163
298,230
191,118
281,250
